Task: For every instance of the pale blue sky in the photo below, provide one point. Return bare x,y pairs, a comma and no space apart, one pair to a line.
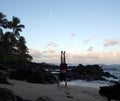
88,30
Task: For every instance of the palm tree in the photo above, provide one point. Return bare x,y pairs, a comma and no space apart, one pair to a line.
6,40
12,45
16,26
1,34
22,48
1,39
16,29
3,20
7,48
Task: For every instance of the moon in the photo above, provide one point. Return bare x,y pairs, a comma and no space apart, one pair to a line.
50,14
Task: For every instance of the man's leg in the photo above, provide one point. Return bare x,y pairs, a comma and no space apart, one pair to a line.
65,83
58,82
64,57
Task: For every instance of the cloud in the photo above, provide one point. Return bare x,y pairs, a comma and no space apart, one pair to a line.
111,42
49,55
112,57
72,34
53,56
35,53
90,48
52,44
89,39
49,51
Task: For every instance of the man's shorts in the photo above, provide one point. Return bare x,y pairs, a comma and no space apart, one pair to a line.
62,76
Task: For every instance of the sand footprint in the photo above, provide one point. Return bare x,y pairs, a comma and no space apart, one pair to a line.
67,92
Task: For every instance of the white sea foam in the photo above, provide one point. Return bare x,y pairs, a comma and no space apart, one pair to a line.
94,84
113,69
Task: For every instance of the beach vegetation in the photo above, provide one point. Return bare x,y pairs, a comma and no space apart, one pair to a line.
12,45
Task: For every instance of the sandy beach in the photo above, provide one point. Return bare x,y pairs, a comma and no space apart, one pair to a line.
32,91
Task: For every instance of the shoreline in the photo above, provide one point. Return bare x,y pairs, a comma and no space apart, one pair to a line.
32,91
92,84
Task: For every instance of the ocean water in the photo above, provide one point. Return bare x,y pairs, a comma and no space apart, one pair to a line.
113,69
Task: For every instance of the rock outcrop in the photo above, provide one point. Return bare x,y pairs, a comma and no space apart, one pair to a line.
89,72
111,92
42,72
8,95
31,72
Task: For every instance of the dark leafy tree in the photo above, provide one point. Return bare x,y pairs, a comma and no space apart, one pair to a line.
12,45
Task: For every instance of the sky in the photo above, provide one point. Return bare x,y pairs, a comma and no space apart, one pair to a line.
88,30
